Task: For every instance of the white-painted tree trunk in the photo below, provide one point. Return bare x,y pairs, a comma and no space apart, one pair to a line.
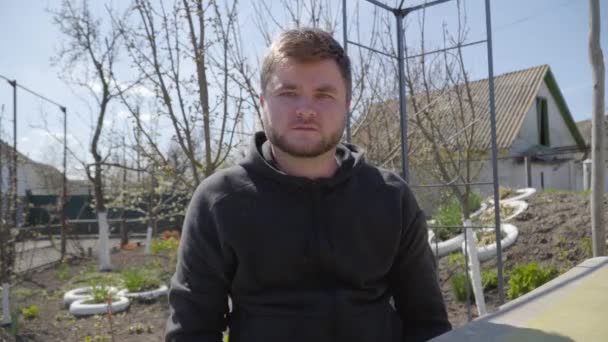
474,271
148,240
6,307
104,248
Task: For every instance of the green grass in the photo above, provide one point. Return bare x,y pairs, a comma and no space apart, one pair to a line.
137,280
459,287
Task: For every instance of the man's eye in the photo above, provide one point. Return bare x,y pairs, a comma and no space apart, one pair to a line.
325,96
287,93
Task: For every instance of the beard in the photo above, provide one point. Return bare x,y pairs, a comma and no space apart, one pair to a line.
304,150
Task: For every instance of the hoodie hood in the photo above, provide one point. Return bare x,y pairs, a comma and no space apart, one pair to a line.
259,160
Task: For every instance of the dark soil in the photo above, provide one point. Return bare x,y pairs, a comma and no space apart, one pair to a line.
554,231
141,322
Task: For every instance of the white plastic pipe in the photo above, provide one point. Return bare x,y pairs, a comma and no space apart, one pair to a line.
474,270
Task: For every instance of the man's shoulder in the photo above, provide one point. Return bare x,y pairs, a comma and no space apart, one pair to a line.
381,176
223,183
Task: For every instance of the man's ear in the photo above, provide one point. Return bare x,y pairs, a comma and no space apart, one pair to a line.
262,100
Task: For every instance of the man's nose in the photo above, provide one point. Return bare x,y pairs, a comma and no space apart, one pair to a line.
306,108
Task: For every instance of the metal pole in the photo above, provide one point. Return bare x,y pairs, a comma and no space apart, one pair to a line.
527,162
13,170
64,192
399,15
494,154
345,37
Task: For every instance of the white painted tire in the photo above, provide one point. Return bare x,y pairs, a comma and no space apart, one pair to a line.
81,293
485,253
79,308
444,248
145,295
480,211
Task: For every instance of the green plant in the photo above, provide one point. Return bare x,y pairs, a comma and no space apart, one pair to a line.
136,280
525,278
456,259
450,215
487,217
14,323
587,247
100,292
31,312
489,279
487,237
170,244
63,272
459,287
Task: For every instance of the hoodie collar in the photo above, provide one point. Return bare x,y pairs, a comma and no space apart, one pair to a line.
259,160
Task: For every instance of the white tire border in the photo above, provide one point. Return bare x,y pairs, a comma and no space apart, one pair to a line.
79,308
82,293
443,248
145,295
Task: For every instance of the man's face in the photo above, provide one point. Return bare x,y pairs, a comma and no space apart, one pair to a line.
305,107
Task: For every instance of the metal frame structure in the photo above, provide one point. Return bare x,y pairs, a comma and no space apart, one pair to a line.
400,13
63,109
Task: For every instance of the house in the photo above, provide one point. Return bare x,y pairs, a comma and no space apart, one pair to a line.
539,143
35,178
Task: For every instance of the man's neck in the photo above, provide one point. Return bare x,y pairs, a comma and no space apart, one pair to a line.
323,166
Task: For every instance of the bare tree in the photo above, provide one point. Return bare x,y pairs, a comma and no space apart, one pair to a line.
596,58
89,55
168,47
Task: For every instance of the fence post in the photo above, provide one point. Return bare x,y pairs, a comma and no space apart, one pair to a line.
527,161
587,174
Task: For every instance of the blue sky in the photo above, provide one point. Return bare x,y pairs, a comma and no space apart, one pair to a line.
526,33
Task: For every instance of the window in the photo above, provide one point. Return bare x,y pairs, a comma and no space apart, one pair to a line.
542,119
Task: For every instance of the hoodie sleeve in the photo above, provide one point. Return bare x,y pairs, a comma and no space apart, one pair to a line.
413,278
198,298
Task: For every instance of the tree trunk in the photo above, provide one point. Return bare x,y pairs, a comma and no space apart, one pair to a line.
598,130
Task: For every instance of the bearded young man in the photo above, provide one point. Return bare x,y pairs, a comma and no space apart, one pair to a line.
308,240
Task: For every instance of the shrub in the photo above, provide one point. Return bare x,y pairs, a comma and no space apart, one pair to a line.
587,247
170,244
459,287
63,272
137,280
489,279
525,278
450,214
31,312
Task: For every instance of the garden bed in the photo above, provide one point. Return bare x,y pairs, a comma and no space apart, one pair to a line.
44,289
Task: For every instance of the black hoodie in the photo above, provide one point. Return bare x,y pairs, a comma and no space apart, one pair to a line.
305,260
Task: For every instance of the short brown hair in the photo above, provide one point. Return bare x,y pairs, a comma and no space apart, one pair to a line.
306,45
